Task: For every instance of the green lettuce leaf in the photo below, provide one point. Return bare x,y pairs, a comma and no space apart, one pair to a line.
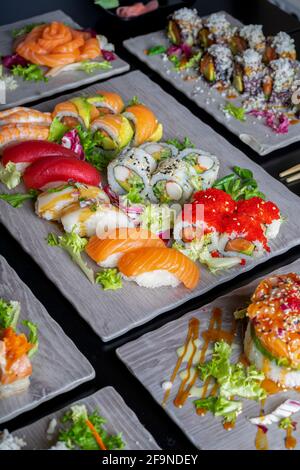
17,199
9,175
110,279
30,72
235,111
17,32
217,264
220,406
9,313
32,337
90,67
57,130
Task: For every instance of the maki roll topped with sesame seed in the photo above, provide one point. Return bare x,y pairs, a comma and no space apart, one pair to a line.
277,84
184,26
281,46
216,30
216,65
249,36
272,340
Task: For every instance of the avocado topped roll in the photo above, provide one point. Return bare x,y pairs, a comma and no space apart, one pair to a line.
281,46
272,336
248,37
171,182
277,84
248,72
184,26
216,65
216,30
131,172
205,165
76,111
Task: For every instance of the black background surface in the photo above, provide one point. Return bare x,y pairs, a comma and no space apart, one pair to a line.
109,370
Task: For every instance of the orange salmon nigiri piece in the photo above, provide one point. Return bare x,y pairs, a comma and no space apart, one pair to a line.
146,260
109,250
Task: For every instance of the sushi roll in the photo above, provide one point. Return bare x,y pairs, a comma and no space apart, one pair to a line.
206,167
131,171
272,337
157,267
112,131
18,132
108,251
281,46
243,236
160,150
76,111
107,102
144,123
216,30
171,182
248,72
248,37
51,203
266,212
184,26
277,84
216,65
93,219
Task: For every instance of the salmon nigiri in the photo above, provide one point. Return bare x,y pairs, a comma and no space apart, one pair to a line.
156,267
146,126
107,252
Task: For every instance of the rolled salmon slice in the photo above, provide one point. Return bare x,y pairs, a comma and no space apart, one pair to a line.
120,241
146,260
144,120
107,100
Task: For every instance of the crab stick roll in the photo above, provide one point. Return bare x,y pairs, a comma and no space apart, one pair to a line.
206,167
51,171
160,150
107,102
266,212
171,182
145,124
113,131
157,267
107,251
131,171
95,218
272,336
243,236
51,203
23,154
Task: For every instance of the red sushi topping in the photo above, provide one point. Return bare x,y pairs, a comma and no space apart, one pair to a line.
264,211
215,200
247,226
60,169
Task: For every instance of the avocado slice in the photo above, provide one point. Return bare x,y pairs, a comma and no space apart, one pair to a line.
157,134
207,68
238,81
173,32
95,99
237,45
204,39
281,362
84,110
159,190
126,133
240,245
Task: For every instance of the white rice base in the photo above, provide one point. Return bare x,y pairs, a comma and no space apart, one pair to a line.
14,388
273,228
111,261
10,442
285,377
156,278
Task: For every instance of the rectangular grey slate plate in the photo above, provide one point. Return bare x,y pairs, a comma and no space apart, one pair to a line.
120,419
152,359
30,91
58,365
252,132
112,313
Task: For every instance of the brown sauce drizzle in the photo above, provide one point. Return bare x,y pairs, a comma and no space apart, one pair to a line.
290,440
294,121
193,333
261,439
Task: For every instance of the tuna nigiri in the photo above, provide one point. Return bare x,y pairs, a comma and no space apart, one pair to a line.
156,267
50,171
107,252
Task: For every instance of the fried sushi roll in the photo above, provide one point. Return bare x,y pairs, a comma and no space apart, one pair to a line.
216,65
281,46
216,30
184,26
248,37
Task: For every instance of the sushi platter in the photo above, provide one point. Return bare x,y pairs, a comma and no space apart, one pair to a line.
120,420
120,207
21,89
55,370
113,312
92,302
242,105
152,359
